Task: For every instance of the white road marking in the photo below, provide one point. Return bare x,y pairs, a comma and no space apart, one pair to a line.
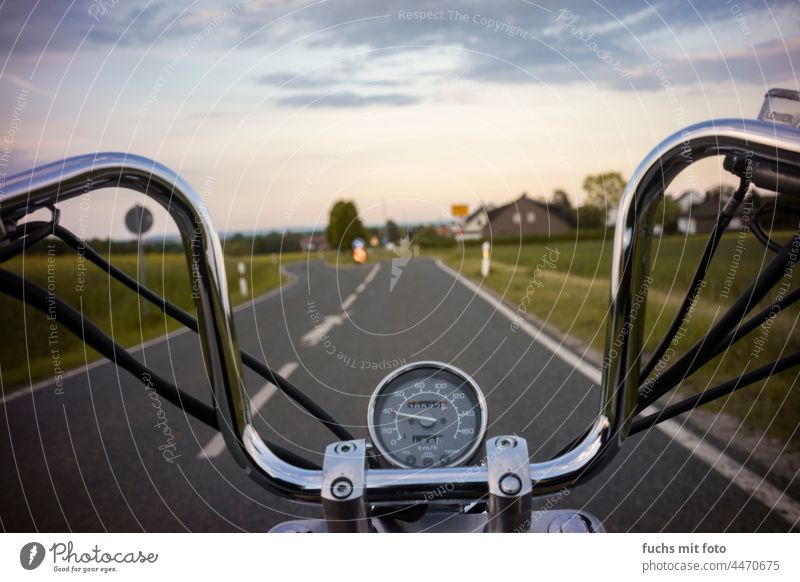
320,330
742,477
216,445
586,368
719,462
268,389
371,275
349,301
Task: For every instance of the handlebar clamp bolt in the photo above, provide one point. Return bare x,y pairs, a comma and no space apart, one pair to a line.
505,443
510,484
342,488
344,448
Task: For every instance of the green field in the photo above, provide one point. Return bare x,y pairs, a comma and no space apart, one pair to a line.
571,295
568,291
27,356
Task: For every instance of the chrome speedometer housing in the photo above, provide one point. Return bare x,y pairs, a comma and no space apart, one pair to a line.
427,414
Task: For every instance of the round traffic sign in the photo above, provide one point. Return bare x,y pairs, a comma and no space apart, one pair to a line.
139,220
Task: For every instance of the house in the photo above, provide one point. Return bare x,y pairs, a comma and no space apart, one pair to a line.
611,216
685,202
701,218
314,242
472,228
688,199
524,216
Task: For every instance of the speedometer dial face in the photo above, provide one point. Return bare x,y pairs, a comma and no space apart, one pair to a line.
427,414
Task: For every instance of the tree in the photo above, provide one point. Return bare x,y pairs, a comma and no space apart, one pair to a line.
561,206
344,225
561,200
724,191
392,231
604,190
589,217
667,214
428,236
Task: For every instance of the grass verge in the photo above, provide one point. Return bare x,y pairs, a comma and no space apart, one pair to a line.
33,350
566,285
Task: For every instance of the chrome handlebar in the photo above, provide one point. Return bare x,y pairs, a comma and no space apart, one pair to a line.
72,177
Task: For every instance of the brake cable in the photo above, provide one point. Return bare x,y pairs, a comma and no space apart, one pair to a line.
706,350
88,332
759,231
32,232
31,294
186,319
643,423
723,220
759,319
716,392
36,231
97,339
698,354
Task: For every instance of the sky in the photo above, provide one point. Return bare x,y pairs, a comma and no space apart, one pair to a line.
273,110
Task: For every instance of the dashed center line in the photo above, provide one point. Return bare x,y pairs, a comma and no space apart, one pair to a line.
216,445
321,329
371,275
349,301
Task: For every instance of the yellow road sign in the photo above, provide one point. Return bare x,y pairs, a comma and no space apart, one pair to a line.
460,210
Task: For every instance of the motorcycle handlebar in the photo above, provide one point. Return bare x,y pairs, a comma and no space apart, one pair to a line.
72,177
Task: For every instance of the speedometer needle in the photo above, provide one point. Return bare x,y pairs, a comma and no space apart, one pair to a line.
423,418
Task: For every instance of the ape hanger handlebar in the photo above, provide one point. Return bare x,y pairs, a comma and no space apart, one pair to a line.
46,185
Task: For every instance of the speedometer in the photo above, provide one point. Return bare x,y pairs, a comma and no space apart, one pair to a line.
427,414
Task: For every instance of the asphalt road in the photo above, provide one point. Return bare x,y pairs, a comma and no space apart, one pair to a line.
95,457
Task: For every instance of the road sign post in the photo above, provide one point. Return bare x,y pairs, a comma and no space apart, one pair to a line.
139,220
243,289
486,254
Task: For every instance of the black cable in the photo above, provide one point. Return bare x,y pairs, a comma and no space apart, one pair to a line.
755,321
771,207
33,295
759,231
751,324
697,355
28,234
723,220
717,392
187,320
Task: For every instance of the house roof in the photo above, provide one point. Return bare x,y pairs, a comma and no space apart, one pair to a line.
494,211
481,208
710,207
688,193
712,204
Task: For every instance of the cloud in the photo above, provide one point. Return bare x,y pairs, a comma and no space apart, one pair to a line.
505,41
346,99
65,26
514,41
765,64
287,80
